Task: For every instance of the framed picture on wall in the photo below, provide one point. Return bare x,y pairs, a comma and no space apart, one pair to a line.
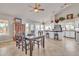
70,16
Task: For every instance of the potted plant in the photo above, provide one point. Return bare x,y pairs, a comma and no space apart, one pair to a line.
61,18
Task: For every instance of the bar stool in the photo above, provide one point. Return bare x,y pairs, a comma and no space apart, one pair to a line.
47,35
56,35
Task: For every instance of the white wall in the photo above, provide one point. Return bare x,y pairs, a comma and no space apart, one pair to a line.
7,37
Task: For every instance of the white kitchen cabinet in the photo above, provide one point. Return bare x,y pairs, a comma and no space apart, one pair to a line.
51,35
60,35
77,36
70,34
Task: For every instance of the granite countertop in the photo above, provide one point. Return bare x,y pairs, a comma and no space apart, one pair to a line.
52,31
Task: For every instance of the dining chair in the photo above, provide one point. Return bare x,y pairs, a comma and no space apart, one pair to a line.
20,41
56,36
40,33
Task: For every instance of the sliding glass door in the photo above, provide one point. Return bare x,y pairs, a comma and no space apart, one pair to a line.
4,27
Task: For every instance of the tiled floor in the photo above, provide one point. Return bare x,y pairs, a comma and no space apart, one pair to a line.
65,47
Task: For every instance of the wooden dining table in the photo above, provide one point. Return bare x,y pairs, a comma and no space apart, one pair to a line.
34,38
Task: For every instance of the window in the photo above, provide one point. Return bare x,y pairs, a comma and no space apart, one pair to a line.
37,27
48,27
70,26
27,28
32,27
42,27
3,27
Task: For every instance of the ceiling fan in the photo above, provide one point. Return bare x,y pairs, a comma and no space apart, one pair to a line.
36,8
65,5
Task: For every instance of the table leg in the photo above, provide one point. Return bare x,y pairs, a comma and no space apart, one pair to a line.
25,47
43,42
31,47
38,43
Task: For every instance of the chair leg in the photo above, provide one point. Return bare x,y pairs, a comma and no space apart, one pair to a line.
38,43
16,43
22,46
32,47
25,49
19,46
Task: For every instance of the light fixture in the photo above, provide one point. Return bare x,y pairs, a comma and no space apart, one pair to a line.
36,10
65,5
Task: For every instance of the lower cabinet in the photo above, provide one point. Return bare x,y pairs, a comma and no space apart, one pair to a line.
60,35
77,36
69,34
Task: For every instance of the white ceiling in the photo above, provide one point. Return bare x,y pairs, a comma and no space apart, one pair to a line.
24,11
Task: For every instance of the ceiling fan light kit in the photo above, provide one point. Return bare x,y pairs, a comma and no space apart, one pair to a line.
36,10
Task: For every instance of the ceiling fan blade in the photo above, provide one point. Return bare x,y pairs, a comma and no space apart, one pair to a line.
41,9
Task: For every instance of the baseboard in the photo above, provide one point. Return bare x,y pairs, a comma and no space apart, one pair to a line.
69,37
3,41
